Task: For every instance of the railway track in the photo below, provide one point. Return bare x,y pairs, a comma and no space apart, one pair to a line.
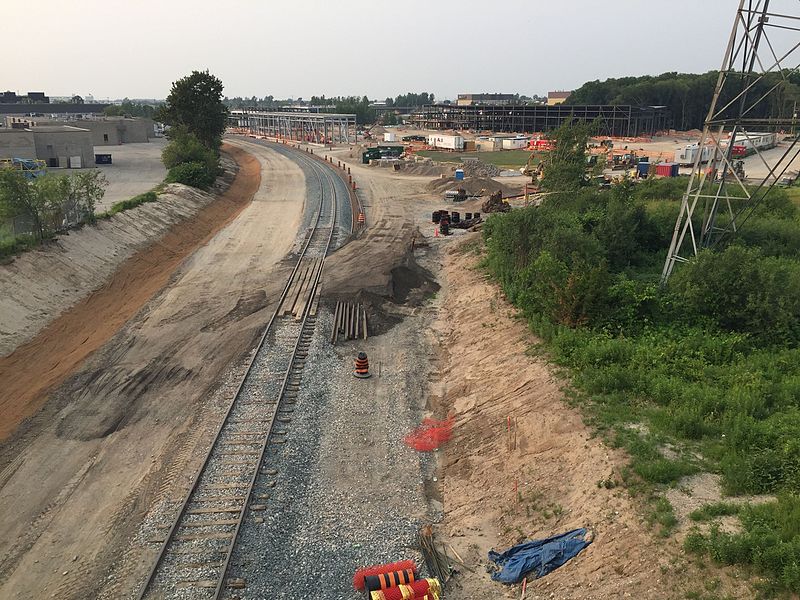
232,486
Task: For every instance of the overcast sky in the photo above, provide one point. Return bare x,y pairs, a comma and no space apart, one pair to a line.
296,48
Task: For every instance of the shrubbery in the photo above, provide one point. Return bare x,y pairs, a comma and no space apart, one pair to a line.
712,358
195,174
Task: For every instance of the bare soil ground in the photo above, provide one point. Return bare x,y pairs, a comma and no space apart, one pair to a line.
34,368
496,495
127,426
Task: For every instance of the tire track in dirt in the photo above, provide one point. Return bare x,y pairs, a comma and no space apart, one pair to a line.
38,366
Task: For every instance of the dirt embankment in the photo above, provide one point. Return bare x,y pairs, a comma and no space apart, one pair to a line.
497,492
130,258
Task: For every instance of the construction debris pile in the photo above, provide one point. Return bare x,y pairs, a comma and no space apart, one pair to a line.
495,204
477,168
396,581
452,220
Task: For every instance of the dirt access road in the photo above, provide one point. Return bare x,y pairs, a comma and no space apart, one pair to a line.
79,476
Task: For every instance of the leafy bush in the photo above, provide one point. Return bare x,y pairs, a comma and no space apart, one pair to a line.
15,245
184,147
741,290
194,174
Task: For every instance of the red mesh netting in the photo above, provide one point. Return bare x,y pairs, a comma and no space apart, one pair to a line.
430,435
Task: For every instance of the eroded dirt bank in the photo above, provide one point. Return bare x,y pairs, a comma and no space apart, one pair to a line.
126,430
188,217
496,495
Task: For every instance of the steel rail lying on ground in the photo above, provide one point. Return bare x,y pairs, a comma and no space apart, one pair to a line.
306,322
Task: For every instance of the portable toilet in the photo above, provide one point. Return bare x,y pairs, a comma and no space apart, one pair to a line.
459,174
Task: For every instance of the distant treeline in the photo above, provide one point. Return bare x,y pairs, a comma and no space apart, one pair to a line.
266,102
130,109
357,105
689,95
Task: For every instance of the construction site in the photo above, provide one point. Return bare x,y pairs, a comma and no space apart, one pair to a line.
307,381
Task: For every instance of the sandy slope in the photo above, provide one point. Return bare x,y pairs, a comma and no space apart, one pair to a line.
81,474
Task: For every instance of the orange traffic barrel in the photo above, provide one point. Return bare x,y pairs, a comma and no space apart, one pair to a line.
384,581
361,218
362,366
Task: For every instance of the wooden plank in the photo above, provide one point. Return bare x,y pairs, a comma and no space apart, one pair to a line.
212,523
211,511
212,535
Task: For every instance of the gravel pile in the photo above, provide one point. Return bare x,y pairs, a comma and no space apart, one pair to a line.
477,168
343,492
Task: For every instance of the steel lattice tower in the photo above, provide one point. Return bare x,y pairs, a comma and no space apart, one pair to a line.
762,54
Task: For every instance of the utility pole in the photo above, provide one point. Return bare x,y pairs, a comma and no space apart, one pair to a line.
762,50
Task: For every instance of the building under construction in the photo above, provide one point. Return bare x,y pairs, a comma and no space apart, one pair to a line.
618,121
317,128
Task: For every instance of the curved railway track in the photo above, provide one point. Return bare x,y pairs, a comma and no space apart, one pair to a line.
194,557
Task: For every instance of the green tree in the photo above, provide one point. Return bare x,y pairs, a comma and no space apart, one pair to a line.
83,191
195,103
565,165
39,202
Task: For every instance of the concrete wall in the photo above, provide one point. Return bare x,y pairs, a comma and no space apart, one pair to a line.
58,146
105,132
112,132
17,143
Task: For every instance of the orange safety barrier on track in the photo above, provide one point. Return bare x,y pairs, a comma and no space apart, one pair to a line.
387,580
424,589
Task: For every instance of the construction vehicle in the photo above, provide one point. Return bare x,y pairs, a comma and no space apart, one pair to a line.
621,160
459,195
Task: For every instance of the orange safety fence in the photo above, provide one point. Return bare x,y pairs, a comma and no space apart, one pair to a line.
431,434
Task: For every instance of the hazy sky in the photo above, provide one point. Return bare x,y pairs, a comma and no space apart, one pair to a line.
296,48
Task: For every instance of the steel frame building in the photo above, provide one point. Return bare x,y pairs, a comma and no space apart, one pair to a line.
620,121
318,128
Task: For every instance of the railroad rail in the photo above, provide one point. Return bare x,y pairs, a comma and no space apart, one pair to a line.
193,559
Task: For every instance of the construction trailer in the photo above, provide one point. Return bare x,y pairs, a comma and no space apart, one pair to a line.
687,155
315,128
515,143
617,121
447,142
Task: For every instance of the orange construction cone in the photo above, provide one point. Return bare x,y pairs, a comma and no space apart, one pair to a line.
362,366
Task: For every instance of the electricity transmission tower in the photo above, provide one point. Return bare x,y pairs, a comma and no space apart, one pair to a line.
749,98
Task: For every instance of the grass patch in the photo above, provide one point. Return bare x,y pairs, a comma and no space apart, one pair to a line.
770,542
717,509
132,202
506,159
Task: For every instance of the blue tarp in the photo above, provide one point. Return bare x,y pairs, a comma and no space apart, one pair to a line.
538,557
